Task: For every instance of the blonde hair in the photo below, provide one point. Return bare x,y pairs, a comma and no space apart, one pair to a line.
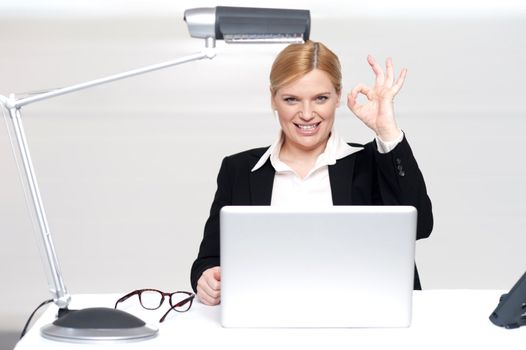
296,60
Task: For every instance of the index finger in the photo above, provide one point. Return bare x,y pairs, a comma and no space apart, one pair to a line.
212,282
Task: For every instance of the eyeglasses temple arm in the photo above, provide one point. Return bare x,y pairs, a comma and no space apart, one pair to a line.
127,296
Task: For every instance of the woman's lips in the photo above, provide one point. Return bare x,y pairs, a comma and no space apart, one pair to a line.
307,129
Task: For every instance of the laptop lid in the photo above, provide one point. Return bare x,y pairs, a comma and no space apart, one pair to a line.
340,266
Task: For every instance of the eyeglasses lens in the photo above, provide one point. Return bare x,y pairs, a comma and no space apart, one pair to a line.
151,299
176,300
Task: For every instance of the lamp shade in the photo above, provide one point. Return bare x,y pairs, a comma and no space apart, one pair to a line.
249,25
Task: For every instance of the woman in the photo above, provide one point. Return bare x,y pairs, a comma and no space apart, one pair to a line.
310,164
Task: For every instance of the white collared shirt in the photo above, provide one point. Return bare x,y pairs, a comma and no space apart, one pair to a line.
313,190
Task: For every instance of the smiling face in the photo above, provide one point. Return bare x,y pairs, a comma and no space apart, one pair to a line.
306,109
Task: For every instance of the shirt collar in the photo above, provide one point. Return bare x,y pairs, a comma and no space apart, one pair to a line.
336,149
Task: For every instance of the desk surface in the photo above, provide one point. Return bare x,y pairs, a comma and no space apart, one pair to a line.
442,319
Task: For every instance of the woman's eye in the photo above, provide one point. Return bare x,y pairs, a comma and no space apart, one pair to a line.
290,100
321,99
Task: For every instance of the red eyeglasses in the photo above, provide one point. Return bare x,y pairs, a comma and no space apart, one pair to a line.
152,299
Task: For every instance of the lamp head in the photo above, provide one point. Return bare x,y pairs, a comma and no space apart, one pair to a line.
248,25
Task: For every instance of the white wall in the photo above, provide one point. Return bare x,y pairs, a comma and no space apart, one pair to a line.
127,171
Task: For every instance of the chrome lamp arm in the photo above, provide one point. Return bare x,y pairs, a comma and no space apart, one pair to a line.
58,289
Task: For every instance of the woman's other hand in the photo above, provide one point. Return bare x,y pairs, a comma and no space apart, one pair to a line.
209,286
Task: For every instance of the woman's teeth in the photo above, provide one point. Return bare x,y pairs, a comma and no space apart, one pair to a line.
307,126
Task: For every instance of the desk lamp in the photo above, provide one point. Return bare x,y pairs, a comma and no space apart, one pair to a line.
231,24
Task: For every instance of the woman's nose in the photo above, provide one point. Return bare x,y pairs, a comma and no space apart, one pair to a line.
307,113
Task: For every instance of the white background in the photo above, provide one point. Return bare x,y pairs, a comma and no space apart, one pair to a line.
127,171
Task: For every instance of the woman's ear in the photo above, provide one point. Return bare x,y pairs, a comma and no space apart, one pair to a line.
272,103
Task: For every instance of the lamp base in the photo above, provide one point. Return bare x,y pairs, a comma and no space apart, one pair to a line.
98,325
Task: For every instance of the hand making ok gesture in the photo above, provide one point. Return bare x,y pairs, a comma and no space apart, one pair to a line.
378,112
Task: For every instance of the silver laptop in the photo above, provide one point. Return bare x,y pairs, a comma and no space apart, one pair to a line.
341,266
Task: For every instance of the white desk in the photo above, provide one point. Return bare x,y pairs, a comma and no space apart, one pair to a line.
442,319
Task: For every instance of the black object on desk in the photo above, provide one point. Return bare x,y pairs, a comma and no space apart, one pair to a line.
511,311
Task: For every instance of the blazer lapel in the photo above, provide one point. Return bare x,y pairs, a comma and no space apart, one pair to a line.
261,183
340,176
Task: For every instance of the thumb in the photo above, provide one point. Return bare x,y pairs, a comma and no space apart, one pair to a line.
217,274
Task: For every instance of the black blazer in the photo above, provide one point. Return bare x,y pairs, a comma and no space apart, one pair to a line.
366,177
